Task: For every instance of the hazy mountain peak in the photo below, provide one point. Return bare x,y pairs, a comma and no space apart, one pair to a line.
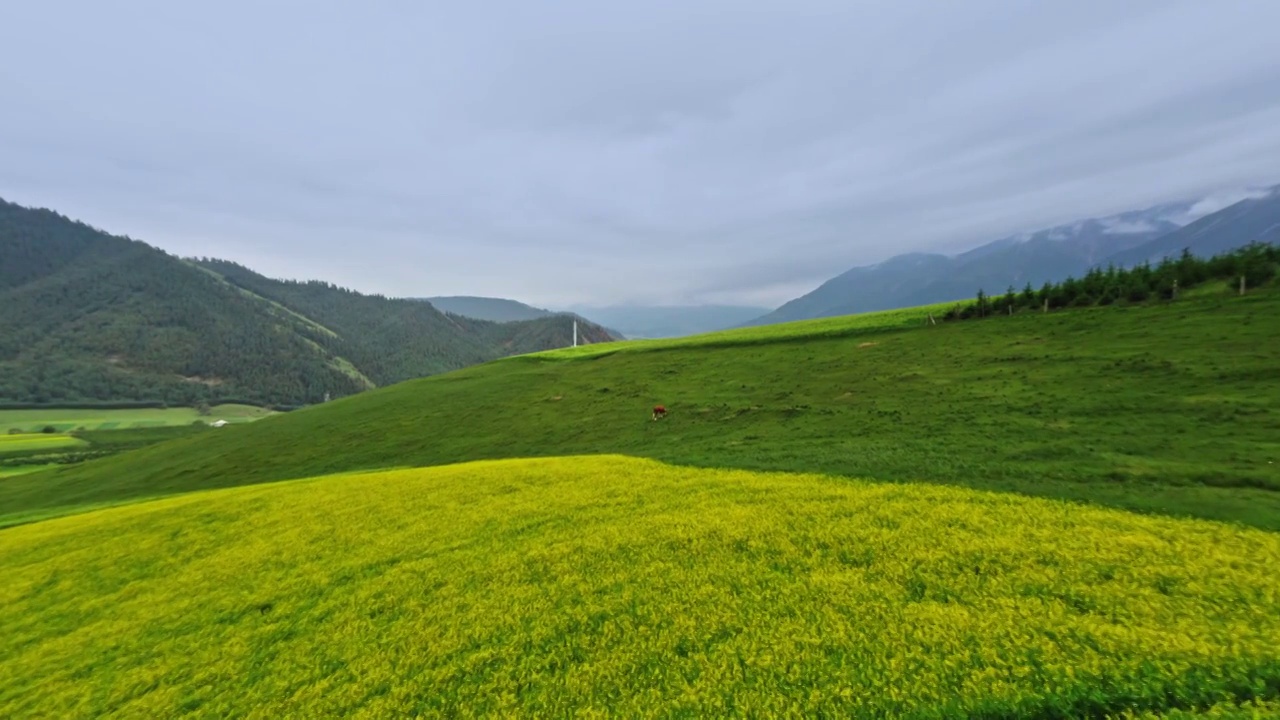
1039,256
487,308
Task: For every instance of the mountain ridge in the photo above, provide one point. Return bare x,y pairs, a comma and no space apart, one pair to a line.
94,316
1253,219
1036,257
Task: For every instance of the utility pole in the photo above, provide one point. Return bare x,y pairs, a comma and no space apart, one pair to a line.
575,332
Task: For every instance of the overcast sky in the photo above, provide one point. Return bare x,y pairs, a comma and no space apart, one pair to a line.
660,151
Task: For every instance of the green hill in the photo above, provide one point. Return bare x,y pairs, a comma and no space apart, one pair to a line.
92,316
619,587
1156,407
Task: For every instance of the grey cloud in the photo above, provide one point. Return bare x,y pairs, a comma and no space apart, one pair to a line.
1131,227
663,152
1218,200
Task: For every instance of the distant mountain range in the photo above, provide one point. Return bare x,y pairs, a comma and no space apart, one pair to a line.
1049,255
629,321
503,310
1255,219
652,321
90,316
487,308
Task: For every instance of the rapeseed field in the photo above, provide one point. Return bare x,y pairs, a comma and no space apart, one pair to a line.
598,586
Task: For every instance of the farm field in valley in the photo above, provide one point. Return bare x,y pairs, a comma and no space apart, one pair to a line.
25,448
22,454
29,443
560,585
1166,408
65,420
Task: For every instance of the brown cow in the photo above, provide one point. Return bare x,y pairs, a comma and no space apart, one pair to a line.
659,412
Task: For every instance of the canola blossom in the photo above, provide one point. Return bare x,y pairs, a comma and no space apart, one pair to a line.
610,586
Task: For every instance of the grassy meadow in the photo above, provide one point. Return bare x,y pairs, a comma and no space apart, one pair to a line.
1163,408
66,420
622,586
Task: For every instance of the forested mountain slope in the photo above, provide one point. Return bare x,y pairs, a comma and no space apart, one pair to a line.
89,316
393,339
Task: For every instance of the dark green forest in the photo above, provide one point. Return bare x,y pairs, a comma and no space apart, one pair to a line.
391,339
1256,264
88,316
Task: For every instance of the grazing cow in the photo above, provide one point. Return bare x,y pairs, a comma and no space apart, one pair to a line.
659,411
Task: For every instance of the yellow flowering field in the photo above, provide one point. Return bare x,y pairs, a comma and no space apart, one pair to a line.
1249,710
610,586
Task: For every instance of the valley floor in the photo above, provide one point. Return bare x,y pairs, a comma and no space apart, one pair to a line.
69,419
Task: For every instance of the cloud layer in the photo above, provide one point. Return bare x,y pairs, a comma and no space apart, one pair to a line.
588,152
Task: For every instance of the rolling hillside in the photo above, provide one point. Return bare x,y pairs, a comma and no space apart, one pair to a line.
92,316
1160,407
